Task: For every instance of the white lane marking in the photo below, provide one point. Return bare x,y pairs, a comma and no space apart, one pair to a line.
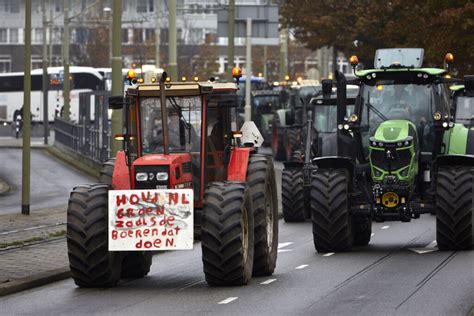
191,284
329,254
301,266
284,250
284,244
432,246
228,300
385,227
372,235
268,281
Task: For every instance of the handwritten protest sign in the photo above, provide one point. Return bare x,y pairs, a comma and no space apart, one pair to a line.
150,220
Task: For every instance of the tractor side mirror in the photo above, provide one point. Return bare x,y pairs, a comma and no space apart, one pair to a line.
327,87
469,85
118,102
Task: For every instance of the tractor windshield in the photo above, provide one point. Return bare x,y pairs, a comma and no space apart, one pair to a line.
390,100
464,110
184,124
266,104
325,118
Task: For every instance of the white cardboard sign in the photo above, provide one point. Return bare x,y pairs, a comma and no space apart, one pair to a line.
150,220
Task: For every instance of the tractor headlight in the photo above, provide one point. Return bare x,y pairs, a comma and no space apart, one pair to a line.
141,176
162,176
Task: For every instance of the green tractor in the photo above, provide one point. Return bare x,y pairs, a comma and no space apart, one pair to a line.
395,157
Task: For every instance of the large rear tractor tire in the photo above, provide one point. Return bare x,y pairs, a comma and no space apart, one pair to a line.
294,196
262,184
92,264
454,214
361,230
136,264
227,238
278,139
330,215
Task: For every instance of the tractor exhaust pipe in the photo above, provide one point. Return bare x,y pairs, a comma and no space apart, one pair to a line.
164,114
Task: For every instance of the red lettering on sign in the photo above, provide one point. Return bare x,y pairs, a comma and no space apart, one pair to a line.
170,242
183,199
114,235
155,198
121,199
130,212
146,197
134,199
160,210
119,224
173,198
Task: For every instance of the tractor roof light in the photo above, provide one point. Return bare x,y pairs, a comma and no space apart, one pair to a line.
153,79
437,116
140,80
168,79
196,78
354,61
287,78
183,78
236,73
354,118
131,74
448,58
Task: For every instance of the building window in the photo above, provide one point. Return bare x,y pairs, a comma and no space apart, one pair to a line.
81,35
83,5
37,36
124,36
5,63
36,62
14,36
3,35
58,5
149,35
12,6
141,6
151,5
137,36
124,6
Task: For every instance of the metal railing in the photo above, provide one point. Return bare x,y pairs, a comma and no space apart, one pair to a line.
90,136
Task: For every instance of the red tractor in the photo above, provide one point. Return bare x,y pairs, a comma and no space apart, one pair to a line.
177,138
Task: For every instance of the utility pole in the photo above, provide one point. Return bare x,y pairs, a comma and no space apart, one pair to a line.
25,176
172,63
117,81
248,72
283,53
45,74
50,33
66,82
157,33
265,65
230,39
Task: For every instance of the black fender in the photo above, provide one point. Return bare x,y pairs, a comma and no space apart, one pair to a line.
457,160
337,162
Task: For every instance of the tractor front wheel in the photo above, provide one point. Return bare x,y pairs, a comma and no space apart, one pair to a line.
91,262
227,237
454,215
262,183
293,146
295,198
330,215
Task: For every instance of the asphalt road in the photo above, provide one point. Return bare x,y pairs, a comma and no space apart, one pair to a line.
398,273
51,180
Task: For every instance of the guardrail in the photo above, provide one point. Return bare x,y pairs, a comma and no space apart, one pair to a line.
90,136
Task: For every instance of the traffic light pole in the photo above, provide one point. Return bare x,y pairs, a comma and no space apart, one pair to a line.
66,82
45,74
25,177
230,37
172,64
117,80
248,72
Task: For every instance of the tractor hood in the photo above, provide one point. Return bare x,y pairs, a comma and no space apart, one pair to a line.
392,131
161,159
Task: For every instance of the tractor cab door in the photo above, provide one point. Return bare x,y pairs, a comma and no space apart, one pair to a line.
220,113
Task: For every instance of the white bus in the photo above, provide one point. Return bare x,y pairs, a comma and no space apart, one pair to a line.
83,79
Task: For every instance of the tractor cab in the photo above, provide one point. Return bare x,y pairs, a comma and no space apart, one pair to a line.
463,102
183,144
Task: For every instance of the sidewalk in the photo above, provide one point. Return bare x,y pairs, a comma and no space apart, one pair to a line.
32,249
11,142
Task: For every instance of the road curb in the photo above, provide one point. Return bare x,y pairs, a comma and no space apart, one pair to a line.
4,187
34,281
